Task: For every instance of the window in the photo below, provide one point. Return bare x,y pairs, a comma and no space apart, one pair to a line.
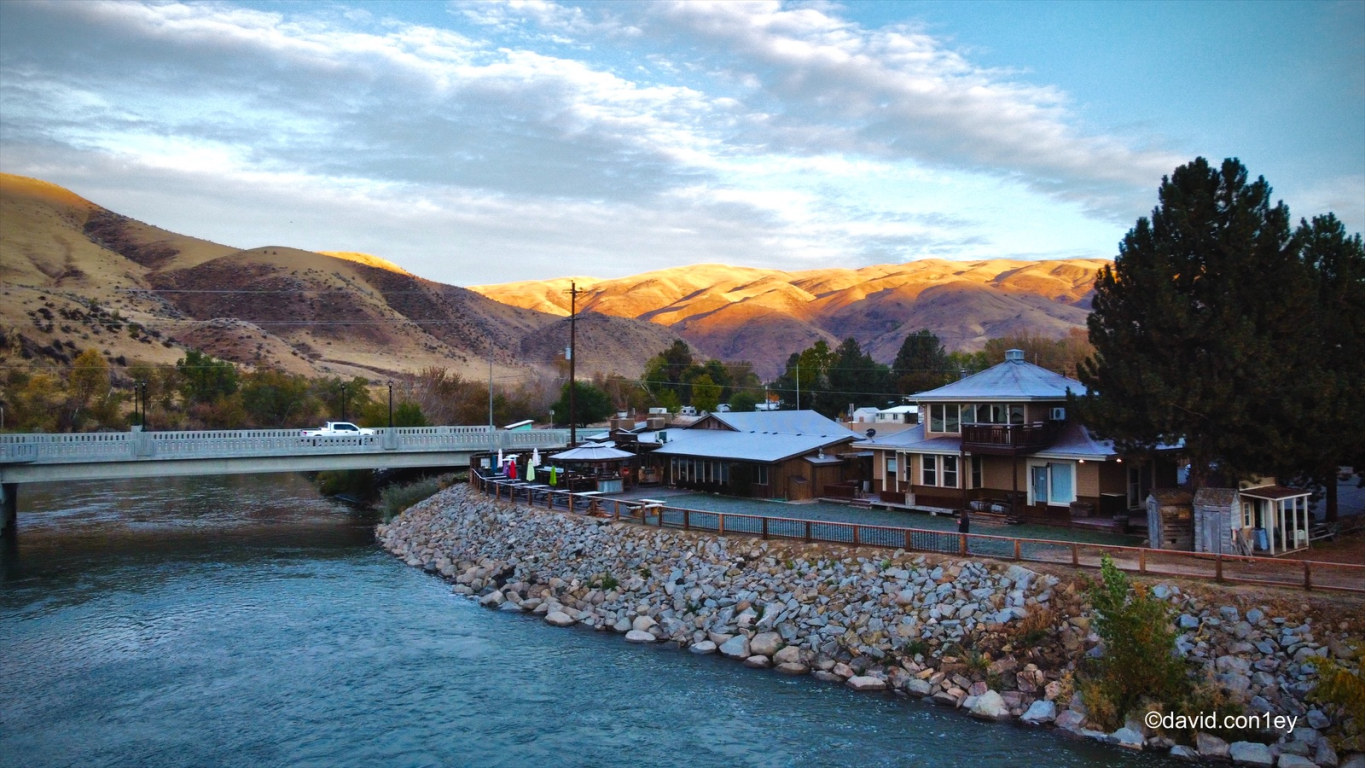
1017,413
761,474
891,466
673,468
976,479
1052,483
725,473
943,417
950,477
928,470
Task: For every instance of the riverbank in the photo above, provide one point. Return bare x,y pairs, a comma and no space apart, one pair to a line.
998,641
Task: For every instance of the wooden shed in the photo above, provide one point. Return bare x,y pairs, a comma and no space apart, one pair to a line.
1215,517
1169,519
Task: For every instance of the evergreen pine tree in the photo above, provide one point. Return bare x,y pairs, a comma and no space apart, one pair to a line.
1199,328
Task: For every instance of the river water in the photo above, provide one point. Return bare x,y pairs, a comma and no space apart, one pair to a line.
247,621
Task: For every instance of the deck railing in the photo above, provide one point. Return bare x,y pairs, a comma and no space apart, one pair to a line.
1009,438
1230,569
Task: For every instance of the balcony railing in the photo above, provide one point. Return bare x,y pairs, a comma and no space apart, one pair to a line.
1009,439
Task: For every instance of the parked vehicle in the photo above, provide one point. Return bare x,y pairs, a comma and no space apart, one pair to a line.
337,429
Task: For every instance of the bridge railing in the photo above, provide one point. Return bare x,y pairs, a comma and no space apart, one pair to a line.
127,446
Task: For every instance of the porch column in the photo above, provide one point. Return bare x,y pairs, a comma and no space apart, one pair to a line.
1280,515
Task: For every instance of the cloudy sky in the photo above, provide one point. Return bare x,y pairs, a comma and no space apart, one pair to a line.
489,142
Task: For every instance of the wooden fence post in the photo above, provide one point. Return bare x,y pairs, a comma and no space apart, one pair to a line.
856,543
1219,567
765,528
908,539
1143,560
687,522
808,531
1017,549
720,523
962,543
1308,576
1075,559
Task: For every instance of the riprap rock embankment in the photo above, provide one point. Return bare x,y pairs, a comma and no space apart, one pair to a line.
997,640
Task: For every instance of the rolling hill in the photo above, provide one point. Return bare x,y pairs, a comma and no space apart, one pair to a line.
76,275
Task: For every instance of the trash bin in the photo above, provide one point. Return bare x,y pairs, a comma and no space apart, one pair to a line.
1263,541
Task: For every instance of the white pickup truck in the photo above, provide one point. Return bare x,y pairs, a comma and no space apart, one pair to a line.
337,429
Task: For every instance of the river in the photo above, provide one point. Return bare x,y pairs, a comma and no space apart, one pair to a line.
247,621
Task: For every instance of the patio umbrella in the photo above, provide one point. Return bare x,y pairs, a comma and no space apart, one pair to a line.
535,458
553,475
512,469
500,458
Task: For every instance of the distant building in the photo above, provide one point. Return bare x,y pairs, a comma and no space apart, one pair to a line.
865,415
777,454
899,414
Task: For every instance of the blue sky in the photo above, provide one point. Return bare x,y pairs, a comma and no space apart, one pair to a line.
489,142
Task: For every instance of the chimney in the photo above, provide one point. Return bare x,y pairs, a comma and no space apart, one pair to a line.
1015,356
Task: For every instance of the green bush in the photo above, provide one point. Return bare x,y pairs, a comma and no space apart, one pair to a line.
1339,689
354,482
396,498
1140,662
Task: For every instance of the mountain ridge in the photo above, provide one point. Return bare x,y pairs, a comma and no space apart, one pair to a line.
763,315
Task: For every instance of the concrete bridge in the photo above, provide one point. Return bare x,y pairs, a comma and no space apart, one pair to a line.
40,458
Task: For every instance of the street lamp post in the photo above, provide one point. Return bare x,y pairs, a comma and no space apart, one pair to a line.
391,405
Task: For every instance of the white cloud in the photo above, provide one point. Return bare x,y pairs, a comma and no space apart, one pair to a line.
751,134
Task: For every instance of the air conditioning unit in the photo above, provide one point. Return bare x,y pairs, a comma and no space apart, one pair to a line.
1058,414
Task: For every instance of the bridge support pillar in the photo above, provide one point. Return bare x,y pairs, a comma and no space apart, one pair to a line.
9,508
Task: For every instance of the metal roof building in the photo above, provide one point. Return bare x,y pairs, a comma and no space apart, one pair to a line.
1012,381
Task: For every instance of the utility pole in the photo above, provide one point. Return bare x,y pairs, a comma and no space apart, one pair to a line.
799,383
490,386
573,406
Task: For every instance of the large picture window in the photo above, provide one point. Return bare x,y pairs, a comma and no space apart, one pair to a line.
949,478
943,417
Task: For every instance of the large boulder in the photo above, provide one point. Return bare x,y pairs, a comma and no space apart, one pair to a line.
917,687
704,647
637,636
990,706
1211,747
867,683
1128,738
1070,720
765,643
736,648
1251,753
1040,712
559,619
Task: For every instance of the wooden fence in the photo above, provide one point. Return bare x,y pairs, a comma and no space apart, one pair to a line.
1229,569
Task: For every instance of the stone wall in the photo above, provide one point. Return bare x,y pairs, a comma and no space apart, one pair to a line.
997,640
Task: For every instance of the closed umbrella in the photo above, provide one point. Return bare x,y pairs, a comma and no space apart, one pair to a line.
554,476
512,469
500,458
535,457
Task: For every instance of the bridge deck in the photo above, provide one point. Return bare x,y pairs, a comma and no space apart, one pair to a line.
49,457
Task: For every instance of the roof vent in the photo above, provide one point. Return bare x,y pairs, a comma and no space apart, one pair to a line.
1014,355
